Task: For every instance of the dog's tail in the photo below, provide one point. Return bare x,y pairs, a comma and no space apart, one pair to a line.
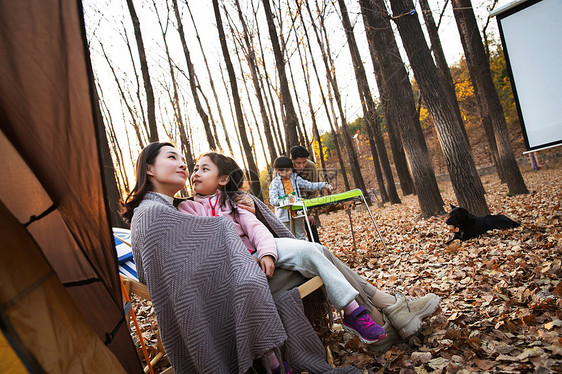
507,223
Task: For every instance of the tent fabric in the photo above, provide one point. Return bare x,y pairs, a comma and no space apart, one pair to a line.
41,314
48,137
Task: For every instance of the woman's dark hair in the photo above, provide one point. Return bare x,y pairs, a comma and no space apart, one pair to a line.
283,162
299,151
227,166
142,185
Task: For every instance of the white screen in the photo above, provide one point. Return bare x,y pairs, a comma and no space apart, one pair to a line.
532,39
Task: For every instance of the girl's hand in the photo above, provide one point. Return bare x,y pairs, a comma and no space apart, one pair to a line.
267,264
245,202
329,188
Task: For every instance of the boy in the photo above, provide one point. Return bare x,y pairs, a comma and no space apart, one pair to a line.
287,182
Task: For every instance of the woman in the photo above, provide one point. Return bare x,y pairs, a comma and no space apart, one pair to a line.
214,308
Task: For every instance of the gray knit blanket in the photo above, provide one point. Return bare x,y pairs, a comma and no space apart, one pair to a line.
214,308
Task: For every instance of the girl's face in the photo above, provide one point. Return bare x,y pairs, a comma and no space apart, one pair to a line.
168,174
205,179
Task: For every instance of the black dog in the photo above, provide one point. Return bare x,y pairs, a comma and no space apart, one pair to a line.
468,226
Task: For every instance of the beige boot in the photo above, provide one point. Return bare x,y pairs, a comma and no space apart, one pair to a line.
392,337
406,313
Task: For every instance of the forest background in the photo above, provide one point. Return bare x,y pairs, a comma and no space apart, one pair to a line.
162,73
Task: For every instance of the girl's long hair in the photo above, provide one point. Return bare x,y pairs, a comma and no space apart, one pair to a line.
227,166
142,184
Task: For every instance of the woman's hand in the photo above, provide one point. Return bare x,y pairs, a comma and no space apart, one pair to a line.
329,188
267,264
244,201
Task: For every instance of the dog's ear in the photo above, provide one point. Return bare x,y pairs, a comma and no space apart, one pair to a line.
452,206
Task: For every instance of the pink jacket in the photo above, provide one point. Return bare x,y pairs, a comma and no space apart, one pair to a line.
254,234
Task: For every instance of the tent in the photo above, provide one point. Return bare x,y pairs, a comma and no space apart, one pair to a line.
60,298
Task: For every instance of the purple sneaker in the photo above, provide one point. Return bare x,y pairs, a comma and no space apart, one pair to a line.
359,322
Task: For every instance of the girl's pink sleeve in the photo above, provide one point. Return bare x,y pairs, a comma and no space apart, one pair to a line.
191,207
258,234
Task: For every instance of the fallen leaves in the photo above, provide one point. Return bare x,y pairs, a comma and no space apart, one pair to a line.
501,293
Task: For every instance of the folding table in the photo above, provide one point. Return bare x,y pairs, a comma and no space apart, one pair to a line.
305,205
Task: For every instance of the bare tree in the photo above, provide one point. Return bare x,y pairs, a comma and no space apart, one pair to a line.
306,77
324,100
150,109
396,146
462,170
441,61
174,96
212,84
370,112
251,59
402,104
477,61
291,121
254,179
330,73
192,78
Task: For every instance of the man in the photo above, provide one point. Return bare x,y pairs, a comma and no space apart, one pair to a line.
306,169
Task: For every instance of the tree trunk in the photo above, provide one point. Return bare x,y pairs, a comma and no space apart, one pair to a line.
291,121
400,162
441,61
192,80
253,179
462,170
401,97
474,51
370,113
330,73
175,98
150,108
251,58
325,103
306,76
211,82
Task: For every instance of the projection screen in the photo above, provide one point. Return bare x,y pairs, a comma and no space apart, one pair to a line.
531,35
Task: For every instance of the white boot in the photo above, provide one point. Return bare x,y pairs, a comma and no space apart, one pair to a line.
406,313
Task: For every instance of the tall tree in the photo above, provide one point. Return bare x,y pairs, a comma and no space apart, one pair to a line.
402,104
370,112
440,60
324,100
477,60
290,118
253,171
306,77
212,84
174,94
192,78
330,74
396,145
251,58
462,170
150,108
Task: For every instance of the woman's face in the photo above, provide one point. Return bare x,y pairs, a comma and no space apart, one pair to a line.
168,174
205,179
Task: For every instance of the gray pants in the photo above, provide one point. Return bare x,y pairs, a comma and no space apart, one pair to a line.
308,259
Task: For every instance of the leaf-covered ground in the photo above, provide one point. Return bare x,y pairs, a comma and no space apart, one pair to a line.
501,307
501,294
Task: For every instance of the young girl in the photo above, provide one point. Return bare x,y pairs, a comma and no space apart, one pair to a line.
215,180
